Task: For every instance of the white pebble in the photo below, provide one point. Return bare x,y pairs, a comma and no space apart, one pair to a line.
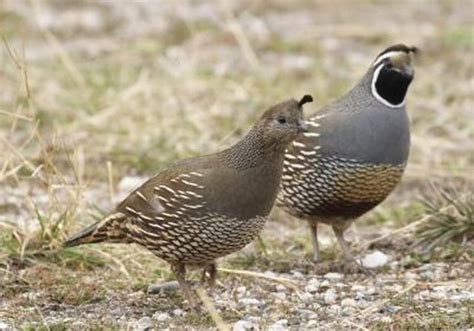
242,325
330,297
143,324
335,309
333,276
312,324
376,259
279,325
348,302
280,288
312,286
178,312
307,298
439,295
161,317
410,275
241,290
325,283
386,320
358,288
250,302
4,326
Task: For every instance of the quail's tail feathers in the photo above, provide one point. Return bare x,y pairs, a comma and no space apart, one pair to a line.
109,229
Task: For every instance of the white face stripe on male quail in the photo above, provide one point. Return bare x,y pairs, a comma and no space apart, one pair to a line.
387,55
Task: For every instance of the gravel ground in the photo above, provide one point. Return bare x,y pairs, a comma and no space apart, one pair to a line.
328,301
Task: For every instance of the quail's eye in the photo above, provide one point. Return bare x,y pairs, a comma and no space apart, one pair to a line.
281,119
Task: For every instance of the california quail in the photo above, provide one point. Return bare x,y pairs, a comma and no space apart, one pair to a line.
206,207
355,150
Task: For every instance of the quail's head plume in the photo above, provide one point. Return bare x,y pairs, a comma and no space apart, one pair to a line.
206,207
355,151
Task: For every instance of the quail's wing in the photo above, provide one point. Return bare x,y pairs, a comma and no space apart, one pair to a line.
166,197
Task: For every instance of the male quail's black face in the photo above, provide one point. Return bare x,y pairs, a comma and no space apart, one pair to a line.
392,75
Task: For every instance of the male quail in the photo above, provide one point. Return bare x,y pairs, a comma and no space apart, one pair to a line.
206,207
355,150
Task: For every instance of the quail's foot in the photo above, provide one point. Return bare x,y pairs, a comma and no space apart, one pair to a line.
353,266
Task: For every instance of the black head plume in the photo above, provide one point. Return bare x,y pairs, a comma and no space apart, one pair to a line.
305,99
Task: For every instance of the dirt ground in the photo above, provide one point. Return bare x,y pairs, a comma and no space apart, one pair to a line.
95,97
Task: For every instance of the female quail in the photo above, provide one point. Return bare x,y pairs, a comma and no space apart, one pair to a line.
355,151
206,207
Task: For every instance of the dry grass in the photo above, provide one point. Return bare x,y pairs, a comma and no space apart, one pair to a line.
91,93
447,223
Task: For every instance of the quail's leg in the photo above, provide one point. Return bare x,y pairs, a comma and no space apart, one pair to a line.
351,265
339,232
179,271
313,226
209,272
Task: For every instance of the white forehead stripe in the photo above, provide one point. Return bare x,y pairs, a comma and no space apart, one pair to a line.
377,96
386,56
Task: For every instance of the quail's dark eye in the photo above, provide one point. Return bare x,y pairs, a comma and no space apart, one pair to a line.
281,119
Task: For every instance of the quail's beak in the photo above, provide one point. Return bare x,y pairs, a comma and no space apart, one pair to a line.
302,126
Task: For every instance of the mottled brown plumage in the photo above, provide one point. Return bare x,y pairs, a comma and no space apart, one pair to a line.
355,151
206,207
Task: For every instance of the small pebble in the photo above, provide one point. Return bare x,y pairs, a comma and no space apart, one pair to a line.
306,314
312,286
279,325
4,326
307,298
410,275
250,302
325,283
348,302
241,290
386,320
178,312
376,259
358,288
280,288
330,297
242,325
335,309
297,275
144,323
161,317
439,295
312,324
333,276
390,309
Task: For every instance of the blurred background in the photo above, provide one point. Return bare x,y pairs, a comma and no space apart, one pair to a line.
96,96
